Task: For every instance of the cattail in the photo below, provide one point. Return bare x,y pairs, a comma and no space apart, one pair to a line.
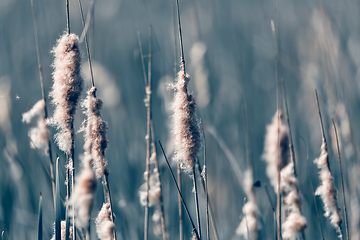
154,190
82,199
186,128
250,210
67,88
327,190
104,226
271,148
95,134
39,135
63,227
292,203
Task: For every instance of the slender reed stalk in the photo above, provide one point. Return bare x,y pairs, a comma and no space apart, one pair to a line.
179,202
44,99
67,17
204,177
313,190
342,181
211,212
177,186
196,201
327,190
162,215
148,138
40,227
57,205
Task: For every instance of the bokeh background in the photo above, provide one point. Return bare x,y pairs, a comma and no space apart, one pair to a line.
230,55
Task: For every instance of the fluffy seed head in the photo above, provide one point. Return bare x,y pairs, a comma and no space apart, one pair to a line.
95,133
292,203
250,210
66,89
39,135
327,190
154,190
271,148
104,226
186,128
82,199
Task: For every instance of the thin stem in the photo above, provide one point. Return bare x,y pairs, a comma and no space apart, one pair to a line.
313,190
179,203
322,127
196,202
177,186
342,181
87,45
180,38
162,218
206,187
278,128
67,17
211,215
291,143
105,179
43,97
142,59
148,137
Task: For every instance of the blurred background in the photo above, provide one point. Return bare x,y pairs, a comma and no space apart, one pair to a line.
230,55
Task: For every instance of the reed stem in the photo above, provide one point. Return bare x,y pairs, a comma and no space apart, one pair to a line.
182,199
342,181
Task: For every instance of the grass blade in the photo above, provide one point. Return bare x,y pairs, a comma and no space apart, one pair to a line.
40,228
58,204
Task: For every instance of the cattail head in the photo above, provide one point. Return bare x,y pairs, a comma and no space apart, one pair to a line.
250,210
292,203
154,190
186,128
104,226
274,154
82,198
327,190
39,135
66,89
95,133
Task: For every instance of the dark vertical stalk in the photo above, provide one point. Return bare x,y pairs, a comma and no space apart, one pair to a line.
342,181
162,215
148,137
40,227
177,186
196,202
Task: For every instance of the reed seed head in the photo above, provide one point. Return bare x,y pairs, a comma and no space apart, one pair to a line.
66,89
186,128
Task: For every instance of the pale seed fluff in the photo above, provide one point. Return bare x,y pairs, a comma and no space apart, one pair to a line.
63,227
95,132
66,89
104,226
292,199
39,135
327,190
250,210
185,126
271,148
82,198
154,190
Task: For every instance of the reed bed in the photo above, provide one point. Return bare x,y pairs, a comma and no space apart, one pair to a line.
173,121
